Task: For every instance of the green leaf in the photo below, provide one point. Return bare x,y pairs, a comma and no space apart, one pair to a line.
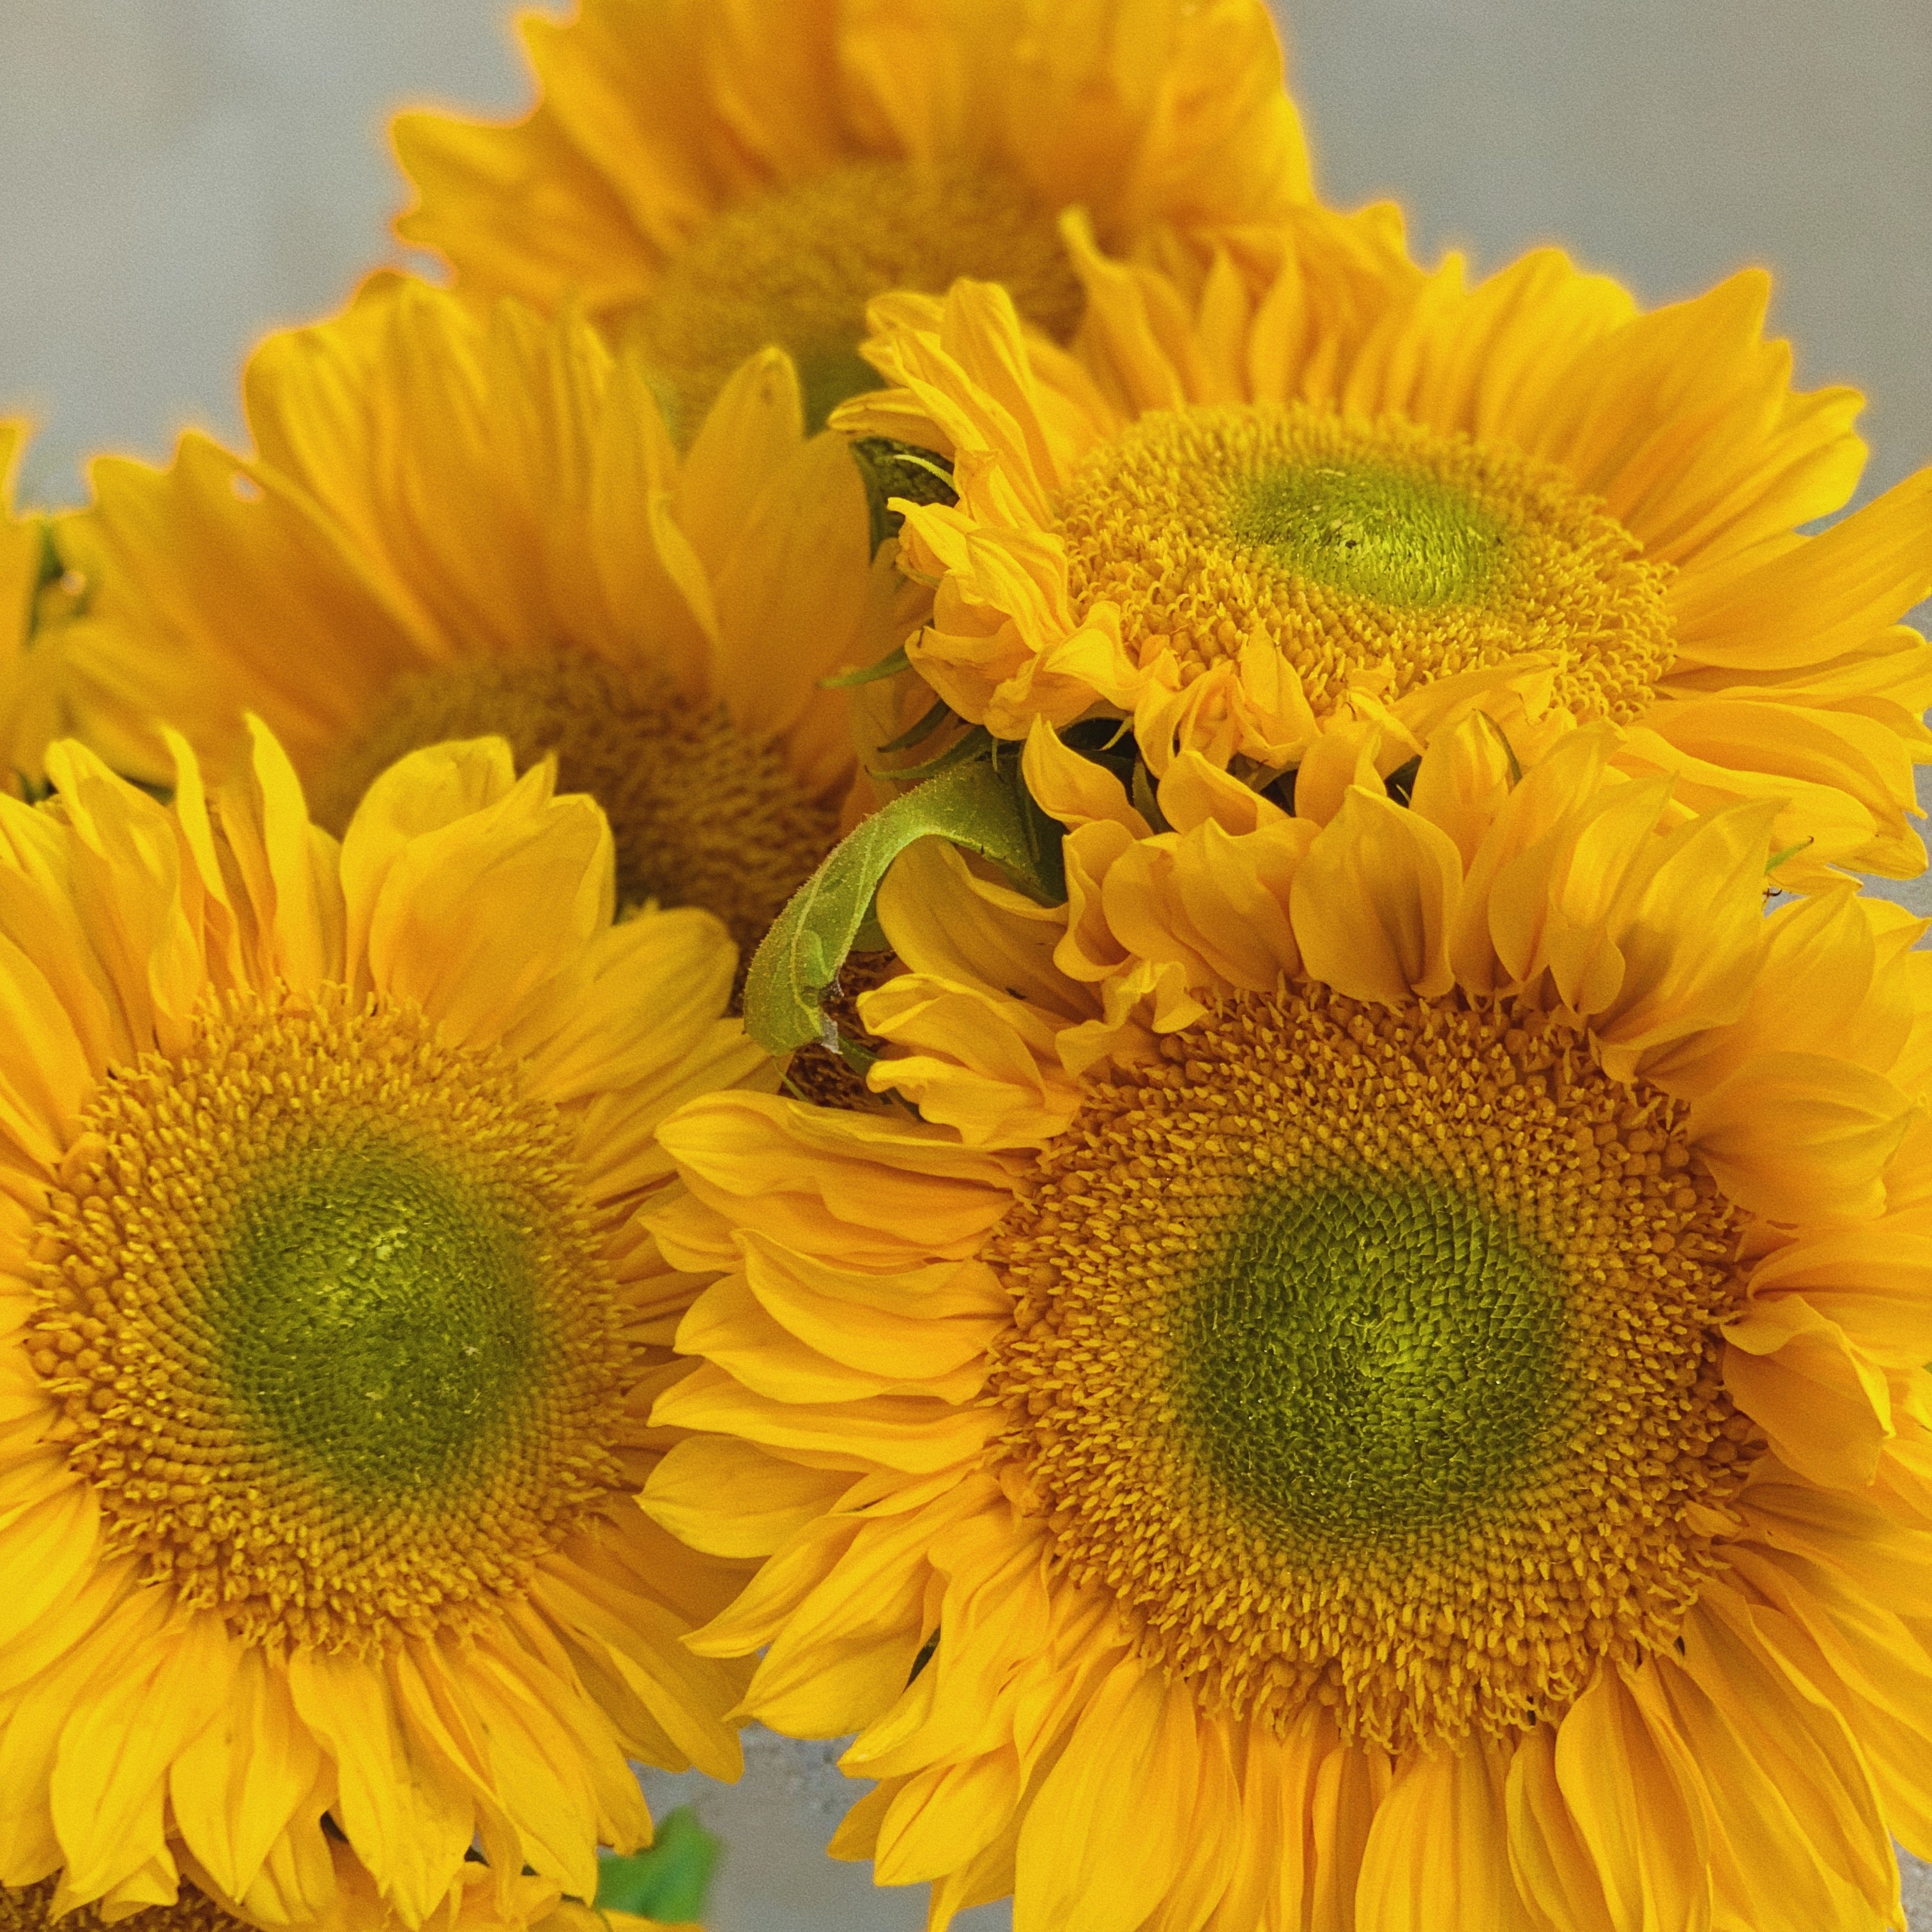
667,1883
977,806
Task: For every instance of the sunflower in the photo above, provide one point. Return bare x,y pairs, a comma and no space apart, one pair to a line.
710,179
1253,524
330,1334
1381,1390
457,525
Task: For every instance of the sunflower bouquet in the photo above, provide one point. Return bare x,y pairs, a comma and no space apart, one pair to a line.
948,929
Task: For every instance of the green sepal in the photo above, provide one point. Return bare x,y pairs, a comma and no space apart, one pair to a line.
1400,783
1509,750
1778,858
903,470
976,744
918,733
890,665
977,806
52,567
669,1881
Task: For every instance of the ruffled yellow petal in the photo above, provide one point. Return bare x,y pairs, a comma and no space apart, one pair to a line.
123,867
1373,901
1821,1150
549,858
1825,1406
731,1146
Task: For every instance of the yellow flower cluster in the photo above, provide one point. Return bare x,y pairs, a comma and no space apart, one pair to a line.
947,929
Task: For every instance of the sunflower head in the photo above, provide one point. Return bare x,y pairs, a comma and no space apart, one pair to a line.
459,522
332,1335
712,182
1337,1360
1345,500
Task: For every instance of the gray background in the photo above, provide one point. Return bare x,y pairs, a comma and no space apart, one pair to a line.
178,176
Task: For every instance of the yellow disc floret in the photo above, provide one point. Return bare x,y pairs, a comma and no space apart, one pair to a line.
335,1343
1355,547
796,266
1370,1357
702,814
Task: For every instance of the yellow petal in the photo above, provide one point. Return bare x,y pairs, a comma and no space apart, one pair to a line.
1556,1873
410,1821
1797,1137
1812,600
236,1790
1799,1836
733,1498
1102,1841
1826,1408
1638,1807
1372,901
1437,1858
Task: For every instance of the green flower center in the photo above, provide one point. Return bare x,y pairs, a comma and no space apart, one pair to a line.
1363,1360
379,1319
1400,538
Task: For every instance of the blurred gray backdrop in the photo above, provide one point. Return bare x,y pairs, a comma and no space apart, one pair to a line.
177,176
